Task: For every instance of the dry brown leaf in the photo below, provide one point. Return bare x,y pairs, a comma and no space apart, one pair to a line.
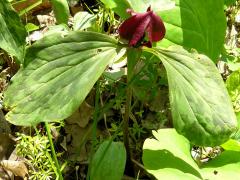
82,116
79,137
18,168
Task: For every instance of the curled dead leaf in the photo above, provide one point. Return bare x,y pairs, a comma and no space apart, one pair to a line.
18,168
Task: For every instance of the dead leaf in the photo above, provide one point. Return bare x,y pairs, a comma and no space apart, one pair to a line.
18,168
46,20
64,143
82,116
79,138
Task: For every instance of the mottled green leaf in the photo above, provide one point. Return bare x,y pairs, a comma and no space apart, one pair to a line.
201,108
12,31
58,73
108,162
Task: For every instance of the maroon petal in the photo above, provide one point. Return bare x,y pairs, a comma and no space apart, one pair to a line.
140,31
134,28
156,29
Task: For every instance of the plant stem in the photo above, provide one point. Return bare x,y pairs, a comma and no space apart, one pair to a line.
125,126
59,175
126,120
133,56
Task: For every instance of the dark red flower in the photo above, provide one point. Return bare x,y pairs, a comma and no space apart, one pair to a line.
135,27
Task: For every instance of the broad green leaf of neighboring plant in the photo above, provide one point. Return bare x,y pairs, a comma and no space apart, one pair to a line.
61,11
200,105
231,145
168,156
156,5
120,6
12,31
108,162
83,20
197,24
58,73
226,166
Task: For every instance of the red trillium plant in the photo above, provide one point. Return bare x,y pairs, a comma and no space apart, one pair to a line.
141,29
60,70
139,25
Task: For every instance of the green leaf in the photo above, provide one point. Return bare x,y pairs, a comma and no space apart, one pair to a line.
189,25
225,166
201,108
12,31
168,156
83,20
118,6
156,5
58,73
231,145
233,84
233,87
108,162
61,11
31,27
